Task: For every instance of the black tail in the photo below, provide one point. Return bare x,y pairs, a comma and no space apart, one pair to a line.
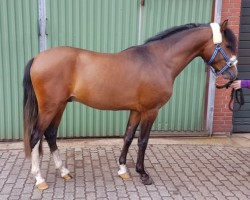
30,108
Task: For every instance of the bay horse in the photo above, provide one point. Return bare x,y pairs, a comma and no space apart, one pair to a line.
139,79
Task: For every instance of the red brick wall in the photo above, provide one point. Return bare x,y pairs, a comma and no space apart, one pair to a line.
222,115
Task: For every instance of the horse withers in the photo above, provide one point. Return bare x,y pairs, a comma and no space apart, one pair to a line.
139,79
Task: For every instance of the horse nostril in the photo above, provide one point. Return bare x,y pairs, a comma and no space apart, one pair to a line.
234,76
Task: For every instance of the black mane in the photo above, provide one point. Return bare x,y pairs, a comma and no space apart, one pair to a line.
230,37
174,30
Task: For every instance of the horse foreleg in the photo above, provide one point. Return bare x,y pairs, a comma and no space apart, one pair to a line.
147,121
133,122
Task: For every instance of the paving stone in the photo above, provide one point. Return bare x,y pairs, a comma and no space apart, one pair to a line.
225,191
196,181
189,198
47,196
232,198
167,198
191,187
209,185
16,192
210,198
186,172
198,195
37,194
218,195
112,195
25,196
184,191
154,195
244,190
204,191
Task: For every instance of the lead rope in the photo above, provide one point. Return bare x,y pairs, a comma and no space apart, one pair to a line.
236,95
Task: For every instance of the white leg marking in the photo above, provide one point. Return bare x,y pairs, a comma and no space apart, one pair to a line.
57,159
35,169
123,169
58,163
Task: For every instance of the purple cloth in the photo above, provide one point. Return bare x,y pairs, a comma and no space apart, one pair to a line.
245,83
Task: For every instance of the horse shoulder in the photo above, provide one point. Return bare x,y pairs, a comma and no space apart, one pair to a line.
155,89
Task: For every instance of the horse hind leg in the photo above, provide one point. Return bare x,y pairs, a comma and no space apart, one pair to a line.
133,122
36,146
50,135
35,170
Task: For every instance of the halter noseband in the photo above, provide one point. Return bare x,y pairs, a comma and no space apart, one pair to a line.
217,39
230,62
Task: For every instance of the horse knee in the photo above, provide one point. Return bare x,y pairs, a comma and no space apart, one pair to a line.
128,140
142,144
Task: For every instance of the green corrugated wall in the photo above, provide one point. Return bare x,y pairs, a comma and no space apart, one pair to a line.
18,43
107,26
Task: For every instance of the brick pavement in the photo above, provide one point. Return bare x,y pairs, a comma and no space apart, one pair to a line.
179,171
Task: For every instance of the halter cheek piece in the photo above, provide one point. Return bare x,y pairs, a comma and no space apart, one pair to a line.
217,39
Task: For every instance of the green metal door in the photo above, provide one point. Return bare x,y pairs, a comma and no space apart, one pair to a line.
185,110
18,43
113,25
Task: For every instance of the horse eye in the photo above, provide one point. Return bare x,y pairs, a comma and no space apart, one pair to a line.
228,46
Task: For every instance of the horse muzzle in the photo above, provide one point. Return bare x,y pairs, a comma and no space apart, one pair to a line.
231,70
229,75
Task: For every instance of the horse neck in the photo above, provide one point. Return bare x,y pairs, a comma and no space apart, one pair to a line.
179,50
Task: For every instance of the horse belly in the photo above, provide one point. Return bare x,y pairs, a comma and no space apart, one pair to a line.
106,94
123,95
106,100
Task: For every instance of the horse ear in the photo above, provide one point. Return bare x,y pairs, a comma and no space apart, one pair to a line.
223,26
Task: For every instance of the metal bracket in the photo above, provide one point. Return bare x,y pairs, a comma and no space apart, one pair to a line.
43,24
46,27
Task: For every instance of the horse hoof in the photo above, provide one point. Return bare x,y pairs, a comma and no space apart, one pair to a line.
67,177
125,176
42,186
147,181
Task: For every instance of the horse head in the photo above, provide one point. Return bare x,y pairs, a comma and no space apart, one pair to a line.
220,53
